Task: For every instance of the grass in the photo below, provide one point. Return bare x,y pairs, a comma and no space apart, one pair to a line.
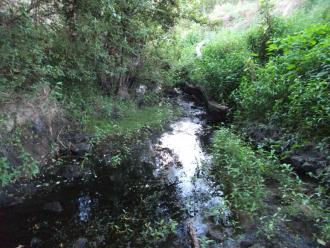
135,119
103,116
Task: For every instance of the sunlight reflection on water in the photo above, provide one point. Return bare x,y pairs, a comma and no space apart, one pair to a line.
181,161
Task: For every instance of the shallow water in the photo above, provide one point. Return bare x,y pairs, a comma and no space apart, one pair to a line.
173,184
196,191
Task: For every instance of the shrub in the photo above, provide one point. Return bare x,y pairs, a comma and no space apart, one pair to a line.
292,89
248,176
239,171
221,68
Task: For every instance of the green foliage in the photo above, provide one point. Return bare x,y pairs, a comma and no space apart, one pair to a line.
292,89
98,43
239,171
148,231
26,168
259,36
132,121
270,225
205,242
22,55
221,67
7,174
243,174
178,51
158,232
312,12
104,116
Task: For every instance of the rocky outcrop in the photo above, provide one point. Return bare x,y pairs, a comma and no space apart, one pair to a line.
75,143
216,112
307,160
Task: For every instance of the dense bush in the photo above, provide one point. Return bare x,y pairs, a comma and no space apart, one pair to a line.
292,90
221,68
22,54
97,42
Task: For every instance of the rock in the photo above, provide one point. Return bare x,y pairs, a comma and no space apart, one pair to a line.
215,232
306,161
196,92
36,243
7,200
142,89
247,222
309,167
80,243
216,112
257,246
38,126
74,137
245,244
55,207
74,143
171,92
296,160
80,149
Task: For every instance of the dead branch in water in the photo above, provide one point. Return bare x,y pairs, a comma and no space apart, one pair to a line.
193,235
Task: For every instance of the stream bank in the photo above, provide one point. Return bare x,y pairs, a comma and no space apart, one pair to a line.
162,195
148,198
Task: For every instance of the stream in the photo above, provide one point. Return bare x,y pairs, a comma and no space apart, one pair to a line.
196,191
168,180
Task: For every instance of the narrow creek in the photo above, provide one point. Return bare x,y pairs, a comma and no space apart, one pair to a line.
168,180
199,197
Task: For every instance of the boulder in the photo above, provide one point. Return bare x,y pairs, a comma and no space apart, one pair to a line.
6,199
307,160
74,143
247,222
216,112
80,149
216,233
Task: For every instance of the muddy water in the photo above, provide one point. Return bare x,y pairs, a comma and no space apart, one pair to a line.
165,179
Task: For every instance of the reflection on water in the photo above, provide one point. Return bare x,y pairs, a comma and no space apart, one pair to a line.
131,195
183,142
84,207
